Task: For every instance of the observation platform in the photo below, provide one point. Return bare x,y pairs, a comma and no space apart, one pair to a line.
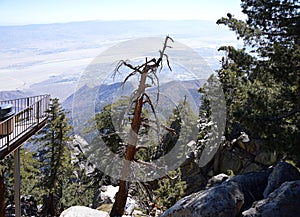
19,120
28,117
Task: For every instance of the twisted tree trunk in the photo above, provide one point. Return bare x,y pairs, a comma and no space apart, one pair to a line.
121,196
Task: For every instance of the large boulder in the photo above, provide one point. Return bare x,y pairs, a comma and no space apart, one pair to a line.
272,192
252,185
82,211
223,200
223,196
283,202
281,173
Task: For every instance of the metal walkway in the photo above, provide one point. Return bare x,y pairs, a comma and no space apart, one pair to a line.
29,117
26,117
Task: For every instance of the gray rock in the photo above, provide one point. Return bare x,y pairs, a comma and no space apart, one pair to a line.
283,202
266,158
191,174
216,180
281,173
82,211
245,194
230,160
224,200
251,167
252,185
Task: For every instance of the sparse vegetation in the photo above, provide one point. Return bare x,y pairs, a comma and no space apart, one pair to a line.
170,190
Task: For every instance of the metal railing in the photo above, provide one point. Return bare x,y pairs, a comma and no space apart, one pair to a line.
29,112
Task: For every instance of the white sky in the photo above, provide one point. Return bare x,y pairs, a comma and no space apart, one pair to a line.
20,12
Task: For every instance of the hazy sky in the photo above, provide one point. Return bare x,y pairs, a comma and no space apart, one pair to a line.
19,12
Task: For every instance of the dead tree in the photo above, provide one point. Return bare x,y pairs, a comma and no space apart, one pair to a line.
147,70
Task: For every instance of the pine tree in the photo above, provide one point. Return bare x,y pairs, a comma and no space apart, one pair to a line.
170,190
30,173
55,159
211,123
261,82
6,182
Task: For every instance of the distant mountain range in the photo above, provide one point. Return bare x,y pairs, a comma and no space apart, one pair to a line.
87,101
5,95
50,58
105,94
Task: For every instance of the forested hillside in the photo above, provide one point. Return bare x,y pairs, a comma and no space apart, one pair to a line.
261,87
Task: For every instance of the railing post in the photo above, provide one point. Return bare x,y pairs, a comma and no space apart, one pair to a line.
38,111
27,106
7,136
17,182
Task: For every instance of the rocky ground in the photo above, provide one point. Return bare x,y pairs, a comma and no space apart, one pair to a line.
272,192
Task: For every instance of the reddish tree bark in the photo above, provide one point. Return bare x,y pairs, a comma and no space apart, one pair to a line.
121,197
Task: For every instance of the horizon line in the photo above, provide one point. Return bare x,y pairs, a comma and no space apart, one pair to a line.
104,20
